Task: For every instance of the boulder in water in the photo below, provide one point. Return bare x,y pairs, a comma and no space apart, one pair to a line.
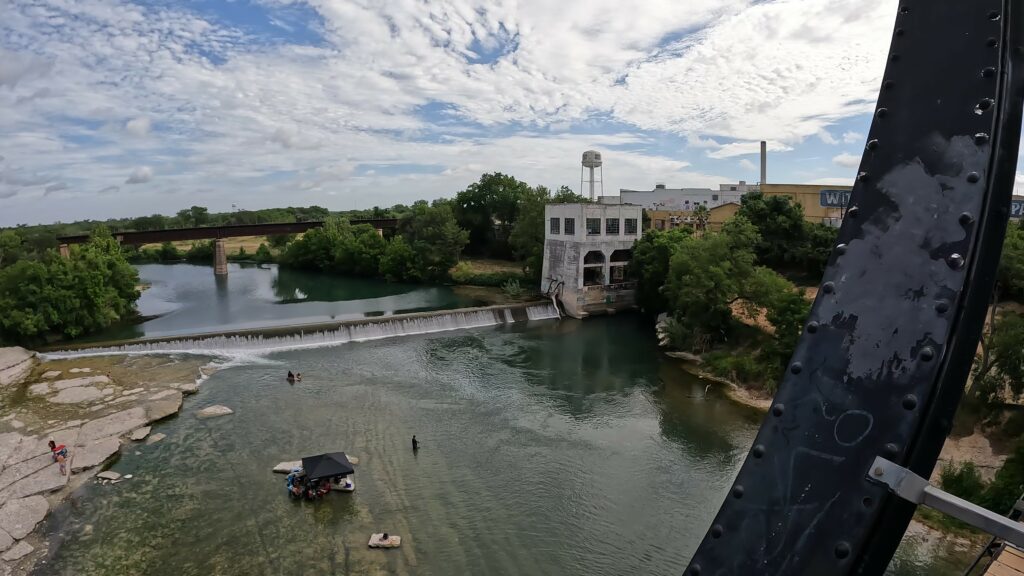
286,467
214,411
94,454
155,438
108,475
141,433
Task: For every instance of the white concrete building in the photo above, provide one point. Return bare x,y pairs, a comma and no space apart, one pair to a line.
686,199
586,250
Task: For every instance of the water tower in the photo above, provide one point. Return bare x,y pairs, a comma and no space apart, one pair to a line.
591,160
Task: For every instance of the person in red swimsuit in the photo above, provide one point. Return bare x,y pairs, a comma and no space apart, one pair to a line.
60,454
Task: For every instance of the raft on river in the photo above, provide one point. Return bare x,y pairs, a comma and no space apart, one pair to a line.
318,475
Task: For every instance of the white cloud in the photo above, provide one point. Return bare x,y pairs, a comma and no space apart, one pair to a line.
748,165
852,137
138,126
264,118
846,160
741,148
695,141
59,186
140,175
826,137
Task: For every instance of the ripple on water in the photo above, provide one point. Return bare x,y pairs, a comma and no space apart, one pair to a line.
543,452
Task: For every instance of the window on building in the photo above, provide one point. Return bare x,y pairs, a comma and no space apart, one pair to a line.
714,197
554,225
630,225
659,224
611,226
570,226
593,226
732,188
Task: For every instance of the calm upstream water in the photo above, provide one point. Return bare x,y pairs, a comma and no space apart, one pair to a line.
548,447
188,299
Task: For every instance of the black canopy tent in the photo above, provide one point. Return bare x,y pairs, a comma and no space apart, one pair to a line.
327,465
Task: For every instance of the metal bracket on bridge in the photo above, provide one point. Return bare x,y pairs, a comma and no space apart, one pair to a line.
913,488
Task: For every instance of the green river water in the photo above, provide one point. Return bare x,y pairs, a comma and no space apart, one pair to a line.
548,447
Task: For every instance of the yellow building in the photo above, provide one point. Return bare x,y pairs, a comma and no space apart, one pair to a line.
822,204
669,219
718,215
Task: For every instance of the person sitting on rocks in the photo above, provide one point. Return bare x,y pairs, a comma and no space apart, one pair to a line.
59,452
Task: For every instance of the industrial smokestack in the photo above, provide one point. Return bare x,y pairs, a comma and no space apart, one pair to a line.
764,162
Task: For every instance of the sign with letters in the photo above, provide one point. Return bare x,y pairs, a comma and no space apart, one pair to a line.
840,198
835,198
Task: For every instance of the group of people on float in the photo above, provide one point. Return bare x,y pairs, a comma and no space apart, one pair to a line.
299,486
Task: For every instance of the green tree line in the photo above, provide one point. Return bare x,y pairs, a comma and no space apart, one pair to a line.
54,297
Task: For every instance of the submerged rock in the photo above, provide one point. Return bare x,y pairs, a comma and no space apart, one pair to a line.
168,403
286,467
76,382
108,475
19,517
141,433
77,395
78,370
214,411
155,438
94,454
20,550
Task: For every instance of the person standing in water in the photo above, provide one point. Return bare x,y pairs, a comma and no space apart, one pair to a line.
415,443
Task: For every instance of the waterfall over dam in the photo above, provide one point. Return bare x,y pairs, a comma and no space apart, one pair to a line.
318,335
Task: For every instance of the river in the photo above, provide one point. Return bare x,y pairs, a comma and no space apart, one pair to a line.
548,447
189,299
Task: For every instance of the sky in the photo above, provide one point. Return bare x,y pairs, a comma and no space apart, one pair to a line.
115,109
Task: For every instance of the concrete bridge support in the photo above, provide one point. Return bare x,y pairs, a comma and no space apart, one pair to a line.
65,251
220,258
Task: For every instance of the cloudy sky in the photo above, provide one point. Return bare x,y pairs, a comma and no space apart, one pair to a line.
112,109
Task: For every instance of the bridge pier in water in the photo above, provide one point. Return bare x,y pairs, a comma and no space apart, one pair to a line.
220,258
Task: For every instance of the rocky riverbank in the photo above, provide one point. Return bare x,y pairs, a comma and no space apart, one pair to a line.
95,407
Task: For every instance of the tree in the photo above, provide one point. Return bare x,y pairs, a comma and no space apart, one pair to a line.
1002,363
435,238
316,249
706,275
488,209
1006,487
812,254
650,265
10,243
280,241
399,262
263,254
88,291
780,226
184,218
701,215
200,215
527,238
